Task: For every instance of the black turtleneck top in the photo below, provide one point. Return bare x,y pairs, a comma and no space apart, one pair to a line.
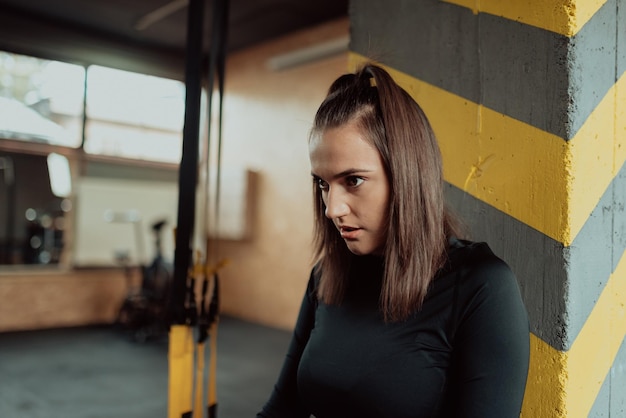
464,354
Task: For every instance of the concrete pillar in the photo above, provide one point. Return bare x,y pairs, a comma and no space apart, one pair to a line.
528,100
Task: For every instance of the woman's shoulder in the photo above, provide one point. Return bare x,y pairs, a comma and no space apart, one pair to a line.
487,295
313,282
477,267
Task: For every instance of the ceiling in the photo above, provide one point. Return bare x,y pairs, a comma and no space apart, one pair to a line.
94,31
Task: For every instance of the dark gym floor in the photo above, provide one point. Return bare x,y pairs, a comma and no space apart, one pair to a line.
96,372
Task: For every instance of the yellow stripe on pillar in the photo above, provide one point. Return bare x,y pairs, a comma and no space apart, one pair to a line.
565,18
544,395
594,351
566,384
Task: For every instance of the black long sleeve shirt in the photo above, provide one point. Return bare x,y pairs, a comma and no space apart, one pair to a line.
464,354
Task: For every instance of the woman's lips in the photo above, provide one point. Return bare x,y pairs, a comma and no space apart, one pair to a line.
349,233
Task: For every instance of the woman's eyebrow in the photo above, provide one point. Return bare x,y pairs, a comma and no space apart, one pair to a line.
346,173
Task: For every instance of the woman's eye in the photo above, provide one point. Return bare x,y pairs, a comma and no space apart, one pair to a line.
354,181
321,184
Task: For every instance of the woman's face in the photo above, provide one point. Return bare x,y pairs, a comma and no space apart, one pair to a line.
355,188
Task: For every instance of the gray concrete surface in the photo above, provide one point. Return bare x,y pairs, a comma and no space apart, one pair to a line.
96,372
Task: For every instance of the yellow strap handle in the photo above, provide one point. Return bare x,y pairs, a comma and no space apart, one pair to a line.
180,357
199,401
212,390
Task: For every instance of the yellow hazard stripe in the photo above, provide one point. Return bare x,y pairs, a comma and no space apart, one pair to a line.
566,384
544,388
594,351
559,16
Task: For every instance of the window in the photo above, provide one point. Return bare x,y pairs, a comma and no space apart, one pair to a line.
41,100
134,115
122,115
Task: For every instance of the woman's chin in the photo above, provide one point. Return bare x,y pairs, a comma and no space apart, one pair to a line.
359,249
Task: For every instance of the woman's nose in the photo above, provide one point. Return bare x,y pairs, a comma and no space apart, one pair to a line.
336,205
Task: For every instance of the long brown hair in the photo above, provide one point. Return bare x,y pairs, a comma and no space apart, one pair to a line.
419,223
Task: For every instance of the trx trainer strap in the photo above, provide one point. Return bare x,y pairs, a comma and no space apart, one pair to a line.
180,313
208,319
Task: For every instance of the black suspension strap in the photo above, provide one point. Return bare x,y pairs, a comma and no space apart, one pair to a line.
181,308
188,171
208,318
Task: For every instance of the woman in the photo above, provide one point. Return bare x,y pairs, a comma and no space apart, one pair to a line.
400,318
